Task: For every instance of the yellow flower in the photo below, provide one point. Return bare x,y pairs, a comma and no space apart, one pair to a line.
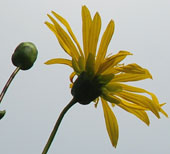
100,76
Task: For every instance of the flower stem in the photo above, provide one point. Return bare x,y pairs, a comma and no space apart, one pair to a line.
48,144
8,83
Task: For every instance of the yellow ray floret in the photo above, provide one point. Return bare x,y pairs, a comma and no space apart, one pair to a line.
111,123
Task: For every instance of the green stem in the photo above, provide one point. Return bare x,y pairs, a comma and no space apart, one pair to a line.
48,144
8,83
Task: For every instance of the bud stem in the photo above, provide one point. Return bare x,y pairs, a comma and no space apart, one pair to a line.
48,144
8,83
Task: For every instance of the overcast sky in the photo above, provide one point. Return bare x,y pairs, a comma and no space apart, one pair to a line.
36,97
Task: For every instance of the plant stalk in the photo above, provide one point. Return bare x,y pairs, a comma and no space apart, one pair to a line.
8,83
50,140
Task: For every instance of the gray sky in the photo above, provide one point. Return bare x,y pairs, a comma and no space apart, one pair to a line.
36,97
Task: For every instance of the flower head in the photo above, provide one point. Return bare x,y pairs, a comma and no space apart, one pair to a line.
101,77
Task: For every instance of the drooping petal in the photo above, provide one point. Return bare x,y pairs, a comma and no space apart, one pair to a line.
155,100
140,100
140,90
86,23
65,38
111,123
110,62
94,32
59,61
104,43
141,114
62,43
163,112
66,24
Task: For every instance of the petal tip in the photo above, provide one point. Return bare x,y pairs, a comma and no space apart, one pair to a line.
46,63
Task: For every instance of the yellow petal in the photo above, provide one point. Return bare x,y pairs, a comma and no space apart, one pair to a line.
104,43
141,114
63,45
131,105
155,100
59,61
111,123
134,69
132,88
140,90
126,77
51,27
163,112
110,62
86,23
94,34
140,100
72,75
66,24
65,38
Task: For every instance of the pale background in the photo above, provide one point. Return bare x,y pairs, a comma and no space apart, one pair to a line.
36,97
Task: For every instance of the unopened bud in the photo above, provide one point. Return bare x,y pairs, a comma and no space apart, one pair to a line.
24,55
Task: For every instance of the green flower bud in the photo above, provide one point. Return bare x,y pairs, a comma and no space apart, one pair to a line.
24,55
86,88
